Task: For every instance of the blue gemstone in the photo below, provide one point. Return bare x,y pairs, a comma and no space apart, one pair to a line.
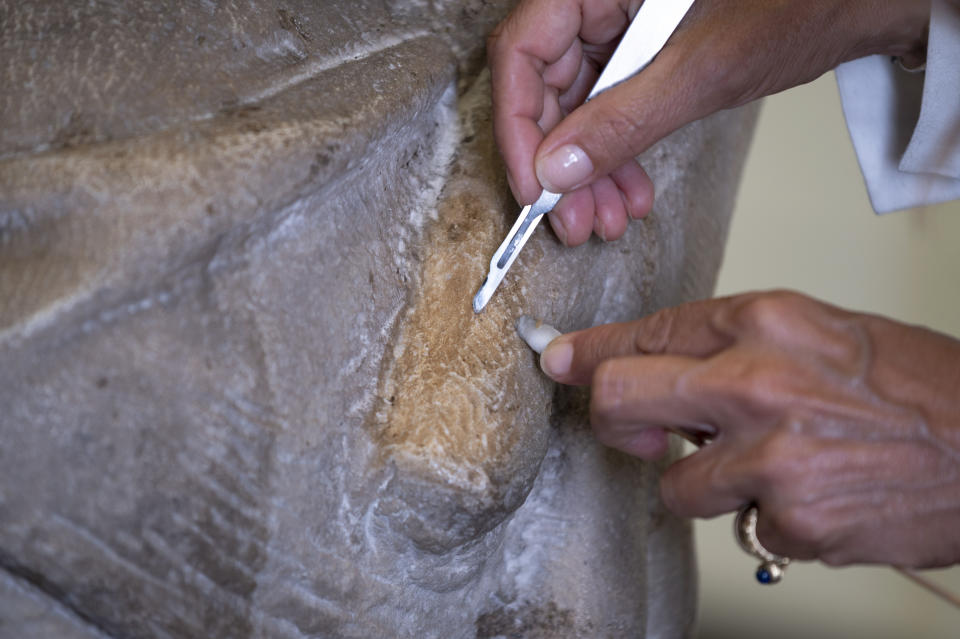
764,576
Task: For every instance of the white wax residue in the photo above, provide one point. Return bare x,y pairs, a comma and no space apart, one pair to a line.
535,333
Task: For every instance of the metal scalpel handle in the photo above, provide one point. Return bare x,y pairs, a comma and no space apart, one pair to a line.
653,25
505,256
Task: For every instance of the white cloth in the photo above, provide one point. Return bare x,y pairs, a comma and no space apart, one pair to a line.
905,127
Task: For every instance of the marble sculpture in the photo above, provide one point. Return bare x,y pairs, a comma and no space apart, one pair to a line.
244,393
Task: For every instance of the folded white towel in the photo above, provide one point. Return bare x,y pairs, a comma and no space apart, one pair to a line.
905,126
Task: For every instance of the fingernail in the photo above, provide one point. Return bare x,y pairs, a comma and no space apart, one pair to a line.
564,168
557,358
601,229
558,226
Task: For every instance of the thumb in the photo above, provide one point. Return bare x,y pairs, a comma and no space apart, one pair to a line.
619,124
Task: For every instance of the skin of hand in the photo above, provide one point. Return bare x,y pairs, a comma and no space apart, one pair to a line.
843,427
546,55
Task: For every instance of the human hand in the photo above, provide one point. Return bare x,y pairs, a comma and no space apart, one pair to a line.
844,428
546,55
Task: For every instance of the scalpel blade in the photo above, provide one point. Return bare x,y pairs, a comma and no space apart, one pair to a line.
505,256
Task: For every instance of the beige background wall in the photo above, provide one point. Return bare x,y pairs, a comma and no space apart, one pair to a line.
804,222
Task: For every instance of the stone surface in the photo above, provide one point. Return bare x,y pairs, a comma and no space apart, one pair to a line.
244,390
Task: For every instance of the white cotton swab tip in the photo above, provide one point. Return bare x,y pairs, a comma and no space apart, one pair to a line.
535,333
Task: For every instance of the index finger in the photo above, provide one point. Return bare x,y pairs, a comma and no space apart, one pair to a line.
537,34
688,330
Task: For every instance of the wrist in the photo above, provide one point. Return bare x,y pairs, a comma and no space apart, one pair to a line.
897,28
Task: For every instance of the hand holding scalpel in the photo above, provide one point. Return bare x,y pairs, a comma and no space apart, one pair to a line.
653,25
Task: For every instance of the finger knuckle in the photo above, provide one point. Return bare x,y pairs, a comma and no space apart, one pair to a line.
768,312
837,338
608,388
696,487
778,465
653,334
751,382
804,526
744,382
615,131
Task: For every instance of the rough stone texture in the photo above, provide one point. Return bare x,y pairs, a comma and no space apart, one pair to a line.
244,390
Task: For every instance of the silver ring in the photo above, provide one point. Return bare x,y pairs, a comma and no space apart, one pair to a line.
771,566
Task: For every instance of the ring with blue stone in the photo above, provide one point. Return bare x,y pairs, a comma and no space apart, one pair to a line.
771,566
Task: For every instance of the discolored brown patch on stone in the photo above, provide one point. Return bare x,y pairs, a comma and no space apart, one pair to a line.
463,423
442,400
